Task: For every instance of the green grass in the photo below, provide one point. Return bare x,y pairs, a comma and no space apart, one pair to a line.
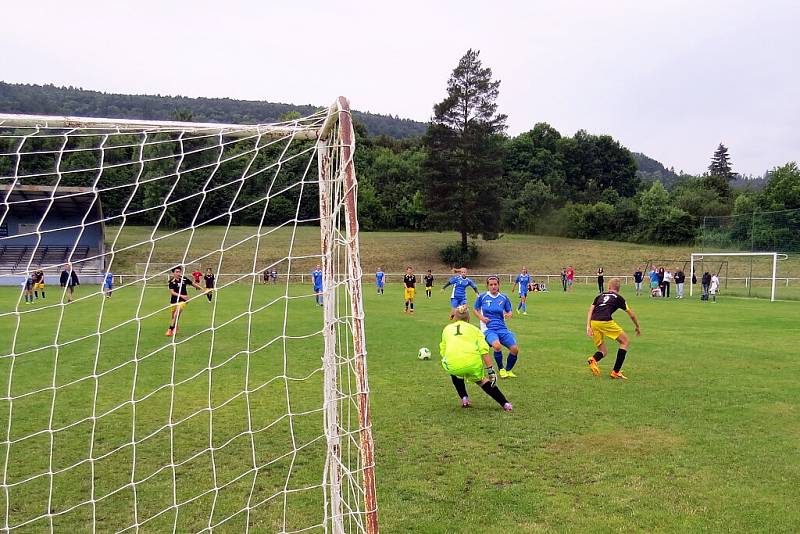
702,437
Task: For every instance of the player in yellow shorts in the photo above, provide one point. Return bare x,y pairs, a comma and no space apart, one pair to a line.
599,325
409,281
178,296
465,356
38,283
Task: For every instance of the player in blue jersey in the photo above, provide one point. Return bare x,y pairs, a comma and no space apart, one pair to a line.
316,278
379,280
108,284
460,283
523,281
492,309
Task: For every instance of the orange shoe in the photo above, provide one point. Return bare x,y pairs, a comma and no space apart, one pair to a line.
619,375
169,332
593,366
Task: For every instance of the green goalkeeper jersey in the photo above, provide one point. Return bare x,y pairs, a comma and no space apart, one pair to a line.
462,344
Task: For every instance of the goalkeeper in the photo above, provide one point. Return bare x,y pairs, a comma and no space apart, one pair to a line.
464,354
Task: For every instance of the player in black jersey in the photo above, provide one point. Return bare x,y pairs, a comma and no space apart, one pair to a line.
428,283
410,282
178,297
599,323
209,279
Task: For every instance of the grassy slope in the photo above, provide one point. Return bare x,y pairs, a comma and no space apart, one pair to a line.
394,250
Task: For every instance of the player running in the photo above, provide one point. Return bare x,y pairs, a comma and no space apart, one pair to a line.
379,280
599,323
178,297
458,296
492,309
316,280
428,284
464,354
524,282
410,283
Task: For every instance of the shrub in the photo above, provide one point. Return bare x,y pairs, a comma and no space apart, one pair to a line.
454,256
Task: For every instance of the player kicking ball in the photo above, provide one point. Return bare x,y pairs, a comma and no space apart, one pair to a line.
178,297
465,353
600,324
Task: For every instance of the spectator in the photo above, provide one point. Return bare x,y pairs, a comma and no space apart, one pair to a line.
667,282
638,276
69,280
600,284
680,278
564,278
705,282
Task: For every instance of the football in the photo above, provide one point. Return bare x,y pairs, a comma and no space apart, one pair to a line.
424,353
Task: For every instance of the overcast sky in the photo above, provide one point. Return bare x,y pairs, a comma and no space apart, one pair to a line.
671,79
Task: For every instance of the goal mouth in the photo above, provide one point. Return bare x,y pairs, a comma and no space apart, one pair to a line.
253,410
754,274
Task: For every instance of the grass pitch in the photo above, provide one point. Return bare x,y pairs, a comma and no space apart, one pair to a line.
702,437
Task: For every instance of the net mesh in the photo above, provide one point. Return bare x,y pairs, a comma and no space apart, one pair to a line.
254,415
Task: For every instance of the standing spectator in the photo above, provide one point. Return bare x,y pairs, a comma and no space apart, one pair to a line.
637,280
273,274
667,282
600,284
654,289
570,277
714,287
705,282
265,276
661,280
680,278
564,278
69,280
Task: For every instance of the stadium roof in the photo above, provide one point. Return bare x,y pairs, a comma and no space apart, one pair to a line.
35,200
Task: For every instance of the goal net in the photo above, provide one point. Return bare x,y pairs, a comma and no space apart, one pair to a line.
745,274
254,414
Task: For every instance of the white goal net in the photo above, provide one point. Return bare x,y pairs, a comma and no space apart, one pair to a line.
253,414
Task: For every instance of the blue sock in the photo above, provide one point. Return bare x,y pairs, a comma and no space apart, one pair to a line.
498,357
525,307
519,306
511,361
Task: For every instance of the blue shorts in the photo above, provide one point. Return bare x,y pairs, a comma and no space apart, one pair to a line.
506,338
523,293
317,289
379,284
456,302
108,286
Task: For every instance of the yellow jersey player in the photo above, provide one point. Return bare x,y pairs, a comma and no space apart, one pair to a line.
410,283
465,356
600,324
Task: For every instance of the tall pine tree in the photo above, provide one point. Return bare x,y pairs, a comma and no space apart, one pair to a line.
719,172
464,143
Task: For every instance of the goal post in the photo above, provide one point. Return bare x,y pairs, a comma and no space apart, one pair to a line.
253,412
773,256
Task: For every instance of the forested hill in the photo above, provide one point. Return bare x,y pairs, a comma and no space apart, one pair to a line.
650,170
52,100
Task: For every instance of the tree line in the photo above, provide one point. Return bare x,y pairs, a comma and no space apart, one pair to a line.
465,173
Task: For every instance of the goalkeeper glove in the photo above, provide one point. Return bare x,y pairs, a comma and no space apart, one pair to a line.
492,376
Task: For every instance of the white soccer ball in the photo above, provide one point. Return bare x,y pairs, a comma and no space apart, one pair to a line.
424,353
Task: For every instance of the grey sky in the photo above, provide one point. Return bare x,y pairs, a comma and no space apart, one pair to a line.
671,79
